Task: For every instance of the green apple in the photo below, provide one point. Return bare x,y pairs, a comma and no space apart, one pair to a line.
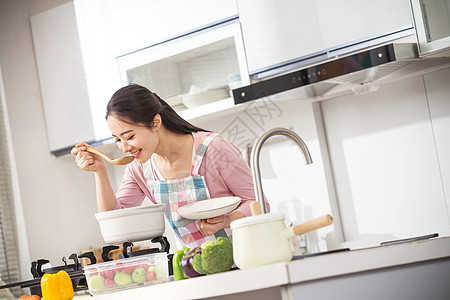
138,275
97,283
122,278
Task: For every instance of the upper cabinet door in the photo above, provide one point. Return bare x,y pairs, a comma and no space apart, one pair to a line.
432,23
349,21
61,77
134,24
276,32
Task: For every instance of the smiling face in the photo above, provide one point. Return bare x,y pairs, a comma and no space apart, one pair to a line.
139,141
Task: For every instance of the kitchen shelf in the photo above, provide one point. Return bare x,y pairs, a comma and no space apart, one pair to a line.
207,109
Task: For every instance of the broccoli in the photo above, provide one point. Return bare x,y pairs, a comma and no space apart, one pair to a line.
212,257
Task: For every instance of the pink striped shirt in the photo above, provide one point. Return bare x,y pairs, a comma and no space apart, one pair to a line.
225,171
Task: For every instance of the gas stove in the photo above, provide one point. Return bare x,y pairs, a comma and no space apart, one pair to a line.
74,268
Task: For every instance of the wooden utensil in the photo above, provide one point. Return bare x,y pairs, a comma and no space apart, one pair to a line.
255,208
314,224
115,161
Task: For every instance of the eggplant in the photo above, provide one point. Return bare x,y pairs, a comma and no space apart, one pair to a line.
186,262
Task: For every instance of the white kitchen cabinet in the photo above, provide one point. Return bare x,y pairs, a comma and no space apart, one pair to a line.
135,24
61,77
351,21
416,281
276,32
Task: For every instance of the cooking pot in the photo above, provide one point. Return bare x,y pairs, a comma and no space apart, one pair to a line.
132,224
265,239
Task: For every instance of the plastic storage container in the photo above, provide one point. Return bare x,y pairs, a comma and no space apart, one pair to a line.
132,272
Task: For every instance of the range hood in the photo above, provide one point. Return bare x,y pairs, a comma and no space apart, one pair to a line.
358,72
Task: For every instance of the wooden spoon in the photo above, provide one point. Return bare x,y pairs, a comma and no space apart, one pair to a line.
115,161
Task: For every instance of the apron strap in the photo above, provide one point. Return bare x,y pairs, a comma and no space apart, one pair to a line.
201,150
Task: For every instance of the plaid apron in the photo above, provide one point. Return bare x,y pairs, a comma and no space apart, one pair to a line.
176,193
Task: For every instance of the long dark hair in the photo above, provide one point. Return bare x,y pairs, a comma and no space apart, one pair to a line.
137,105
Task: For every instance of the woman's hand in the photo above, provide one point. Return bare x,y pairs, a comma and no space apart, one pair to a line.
85,160
212,225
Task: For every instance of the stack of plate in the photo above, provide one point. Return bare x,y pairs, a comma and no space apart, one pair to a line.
198,96
176,102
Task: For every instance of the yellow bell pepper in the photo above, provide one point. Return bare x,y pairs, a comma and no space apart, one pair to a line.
57,286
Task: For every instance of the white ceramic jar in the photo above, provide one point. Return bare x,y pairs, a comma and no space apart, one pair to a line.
260,240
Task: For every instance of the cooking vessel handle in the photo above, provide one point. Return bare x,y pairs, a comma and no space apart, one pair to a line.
76,262
90,255
255,208
106,250
313,224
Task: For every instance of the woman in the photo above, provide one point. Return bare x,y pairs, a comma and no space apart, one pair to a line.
175,163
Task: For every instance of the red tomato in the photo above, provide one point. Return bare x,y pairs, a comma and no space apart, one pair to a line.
30,297
108,273
93,271
129,269
109,283
118,266
150,275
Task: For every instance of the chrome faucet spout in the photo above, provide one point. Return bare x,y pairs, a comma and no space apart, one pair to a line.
254,158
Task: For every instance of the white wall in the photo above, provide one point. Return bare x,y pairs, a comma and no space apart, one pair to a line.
390,156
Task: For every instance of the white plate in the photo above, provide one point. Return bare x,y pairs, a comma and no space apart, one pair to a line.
209,208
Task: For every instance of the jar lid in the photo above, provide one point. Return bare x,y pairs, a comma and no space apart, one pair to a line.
256,220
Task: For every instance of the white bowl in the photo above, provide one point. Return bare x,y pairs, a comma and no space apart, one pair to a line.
132,224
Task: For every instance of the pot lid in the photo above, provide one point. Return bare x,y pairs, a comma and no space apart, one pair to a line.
129,211
256,220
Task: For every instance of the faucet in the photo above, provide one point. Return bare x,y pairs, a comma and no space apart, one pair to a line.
254,158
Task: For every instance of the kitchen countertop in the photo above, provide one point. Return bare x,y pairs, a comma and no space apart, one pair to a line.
294,272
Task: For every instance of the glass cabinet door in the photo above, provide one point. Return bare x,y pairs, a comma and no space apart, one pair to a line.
432,23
